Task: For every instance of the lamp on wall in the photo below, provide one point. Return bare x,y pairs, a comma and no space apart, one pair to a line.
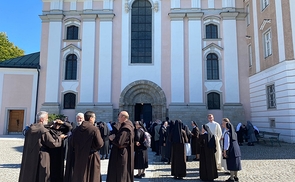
248,37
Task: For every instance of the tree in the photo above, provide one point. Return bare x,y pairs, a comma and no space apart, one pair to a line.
7,49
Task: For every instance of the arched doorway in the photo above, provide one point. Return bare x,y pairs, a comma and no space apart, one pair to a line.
145,93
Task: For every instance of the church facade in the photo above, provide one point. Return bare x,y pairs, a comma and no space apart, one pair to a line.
181,59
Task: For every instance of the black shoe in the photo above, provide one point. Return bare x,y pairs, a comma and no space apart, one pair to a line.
236,179
137,176
106,157
230,180
142,175
102,158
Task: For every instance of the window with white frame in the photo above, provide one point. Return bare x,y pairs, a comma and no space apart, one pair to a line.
250,55
271,96
248,14
264,4
213,100
267,43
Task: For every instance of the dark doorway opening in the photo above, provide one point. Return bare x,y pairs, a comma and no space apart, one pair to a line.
143,111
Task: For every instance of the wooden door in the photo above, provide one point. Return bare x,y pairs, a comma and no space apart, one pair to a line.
16,120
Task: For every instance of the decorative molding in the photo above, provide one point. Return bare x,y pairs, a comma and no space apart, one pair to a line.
195,15
127,6
88,17
265,21
156,6
106,17
177,16
229,15
212,46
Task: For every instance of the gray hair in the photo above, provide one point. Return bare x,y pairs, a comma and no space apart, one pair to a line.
80,114
40,115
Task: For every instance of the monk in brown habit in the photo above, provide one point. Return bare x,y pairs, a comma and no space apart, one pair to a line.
121,163
35,165
86,141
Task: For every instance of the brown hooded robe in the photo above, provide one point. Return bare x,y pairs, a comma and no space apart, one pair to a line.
35,166
121,163
86,141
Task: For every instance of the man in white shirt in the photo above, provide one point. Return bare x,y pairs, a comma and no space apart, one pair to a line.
216,131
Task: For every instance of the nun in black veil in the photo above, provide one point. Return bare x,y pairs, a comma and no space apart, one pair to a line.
231,150
208,169
178,154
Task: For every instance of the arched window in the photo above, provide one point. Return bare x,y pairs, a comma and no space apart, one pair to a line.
71,67
72,32
69,101
141,32
213,100
211,31
212,67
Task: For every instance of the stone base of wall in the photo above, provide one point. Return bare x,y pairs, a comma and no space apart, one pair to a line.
234,112
103,111
188,112
50,107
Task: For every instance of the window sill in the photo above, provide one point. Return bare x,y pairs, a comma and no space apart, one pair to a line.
217,39
72,40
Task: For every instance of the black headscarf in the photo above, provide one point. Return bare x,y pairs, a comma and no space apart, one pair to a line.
211,137
141,125
176,132
232,132
195,123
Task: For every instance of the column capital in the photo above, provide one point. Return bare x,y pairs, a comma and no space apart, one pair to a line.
106,17
195,15
229,15
89,17
176,15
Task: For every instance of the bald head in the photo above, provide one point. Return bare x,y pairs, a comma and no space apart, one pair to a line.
123,116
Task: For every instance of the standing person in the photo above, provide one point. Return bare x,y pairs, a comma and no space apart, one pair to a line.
251,134
162,141
141,154
35,164
168,141
195,141
231,150
57,154
105,133
208,169
121,162
178,155
157,136
86,141
216,131
70,154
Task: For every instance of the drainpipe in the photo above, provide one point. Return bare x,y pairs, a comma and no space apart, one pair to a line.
37,91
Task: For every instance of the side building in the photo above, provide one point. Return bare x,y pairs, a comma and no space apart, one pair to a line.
271,41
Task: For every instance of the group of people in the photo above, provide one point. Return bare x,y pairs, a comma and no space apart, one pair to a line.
216,149
44,150
86,143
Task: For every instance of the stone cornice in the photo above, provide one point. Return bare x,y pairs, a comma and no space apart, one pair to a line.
89,17
52,17
177,16
195,15
106,17
229,15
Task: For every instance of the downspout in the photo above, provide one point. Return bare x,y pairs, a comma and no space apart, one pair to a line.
37,91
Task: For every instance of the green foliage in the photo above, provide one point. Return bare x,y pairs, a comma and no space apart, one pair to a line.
52,117
7,49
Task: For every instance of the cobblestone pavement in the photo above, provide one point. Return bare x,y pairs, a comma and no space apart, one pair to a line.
261,162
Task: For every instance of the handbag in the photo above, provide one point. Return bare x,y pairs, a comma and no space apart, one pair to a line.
188,149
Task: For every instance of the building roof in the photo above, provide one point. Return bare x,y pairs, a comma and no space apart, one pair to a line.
26,61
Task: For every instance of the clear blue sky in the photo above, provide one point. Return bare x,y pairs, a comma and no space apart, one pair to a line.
20,20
